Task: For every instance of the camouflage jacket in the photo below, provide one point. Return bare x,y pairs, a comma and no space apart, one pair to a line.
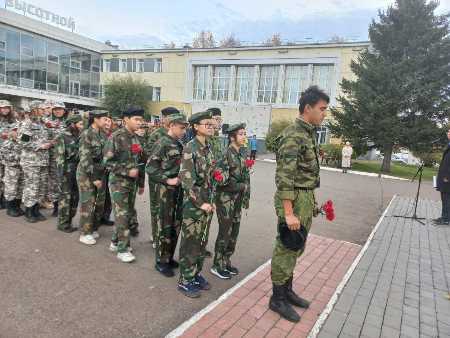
119,157
152,138
196,172
216,147
10,148
66,150
92,143
235,173
297,160
32,135
56,126
165,160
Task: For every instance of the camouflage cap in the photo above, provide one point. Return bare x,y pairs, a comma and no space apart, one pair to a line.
5,103
75,118
215,111
47,104
58,104
98,113
169,111
235,127
35,104
133,111
197,117
178,118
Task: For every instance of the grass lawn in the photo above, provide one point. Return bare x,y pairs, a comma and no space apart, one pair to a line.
397,169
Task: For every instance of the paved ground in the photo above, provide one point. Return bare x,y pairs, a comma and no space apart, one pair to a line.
52,286
244,312
400,286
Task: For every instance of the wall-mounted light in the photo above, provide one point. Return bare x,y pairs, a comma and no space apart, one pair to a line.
283,51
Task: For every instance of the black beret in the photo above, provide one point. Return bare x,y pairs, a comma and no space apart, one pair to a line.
99,113
133,111
292,239
197,117
215,111
235,127
169,111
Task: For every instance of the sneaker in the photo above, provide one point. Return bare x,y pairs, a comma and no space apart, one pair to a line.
202,283
113,247
87,239
190,289
126,257
95,234
154,245
232,270
164,269
222,274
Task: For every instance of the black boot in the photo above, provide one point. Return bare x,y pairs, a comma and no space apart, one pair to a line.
55,209
37,213
279,304
2,202
19,210
105,221
293,298
29,215
12,209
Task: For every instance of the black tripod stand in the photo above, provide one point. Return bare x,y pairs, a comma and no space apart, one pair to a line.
414,216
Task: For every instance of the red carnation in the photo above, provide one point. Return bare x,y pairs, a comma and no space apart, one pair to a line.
217,175
328,209
136,148
249,163
49,124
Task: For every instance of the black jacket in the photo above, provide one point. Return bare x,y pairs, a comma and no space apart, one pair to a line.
443,178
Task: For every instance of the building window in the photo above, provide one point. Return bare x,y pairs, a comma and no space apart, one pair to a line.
75,64
149,65
158,66
295,82
114,66
200,82
131,65
221,83
323,76
322,135
140,66
268,84
106,66
123,66
156,94
244,84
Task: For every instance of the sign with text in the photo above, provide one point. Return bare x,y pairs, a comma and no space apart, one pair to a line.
43,14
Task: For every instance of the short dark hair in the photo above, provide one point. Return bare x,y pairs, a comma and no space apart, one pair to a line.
312,96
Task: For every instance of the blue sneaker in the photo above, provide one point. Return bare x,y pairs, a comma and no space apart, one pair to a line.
190,289
202,283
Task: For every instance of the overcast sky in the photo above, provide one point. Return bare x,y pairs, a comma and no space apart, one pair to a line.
145,23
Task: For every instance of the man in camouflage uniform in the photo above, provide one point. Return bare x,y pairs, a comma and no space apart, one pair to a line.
148,147
9,161
66,151
124,158
35,143
196,175
56,126
233,194
91,177
162,169
107,210
215,140
297,175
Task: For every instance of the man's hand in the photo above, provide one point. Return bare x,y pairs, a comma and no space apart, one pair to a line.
206,207
133,173
141,190
293,222
98,184
173,181
46,146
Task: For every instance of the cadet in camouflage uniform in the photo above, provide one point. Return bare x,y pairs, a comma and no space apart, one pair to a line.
124,158
215,140
56,126
232,195
67,158
91,177
163,168
34,142
297,175
107,210
196,174
148,148
10,171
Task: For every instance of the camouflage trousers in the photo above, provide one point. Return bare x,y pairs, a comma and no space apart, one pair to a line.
53,189
229,211
108,206
92,202
194,237
34,182
169,221
123,195
133,221
283,259
153,197
2,174
13,181
68,200
44,176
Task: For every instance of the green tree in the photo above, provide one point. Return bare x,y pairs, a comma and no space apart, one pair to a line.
400,95
123,91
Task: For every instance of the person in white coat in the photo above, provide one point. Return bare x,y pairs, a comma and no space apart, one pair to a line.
347,152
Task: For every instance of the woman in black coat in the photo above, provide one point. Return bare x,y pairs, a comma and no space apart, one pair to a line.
443,185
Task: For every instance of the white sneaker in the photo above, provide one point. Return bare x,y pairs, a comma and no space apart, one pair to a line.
113,248
95,234
87,239
154,245
126,257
